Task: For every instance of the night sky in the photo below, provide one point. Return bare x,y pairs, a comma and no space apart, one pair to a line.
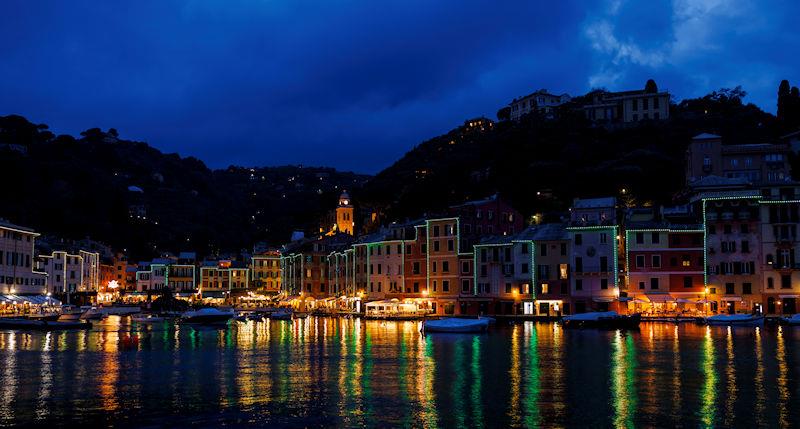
355,84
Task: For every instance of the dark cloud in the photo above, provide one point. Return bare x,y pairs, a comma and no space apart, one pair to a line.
354,84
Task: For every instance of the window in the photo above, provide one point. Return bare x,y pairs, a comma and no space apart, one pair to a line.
445,285
745,246
744,228
770,283
465,286
747,288
543,249
687,261
435,245
727,229
654,283
655,238
604,264
465,267
639,261
578,264
524,248
656,260
416,287
578,239
562,270
639,238
415,268
445,266
524,268
450,245
545,288
578,284
563,249
603,283
786,281
687,282
508,287
641,285
603,238
729,289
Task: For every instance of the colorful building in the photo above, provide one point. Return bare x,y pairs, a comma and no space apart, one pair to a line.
265,269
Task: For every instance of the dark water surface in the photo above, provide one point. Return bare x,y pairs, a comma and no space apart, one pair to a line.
327,372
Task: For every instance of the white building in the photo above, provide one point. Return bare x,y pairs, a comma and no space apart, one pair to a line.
69,273
17,275
540,100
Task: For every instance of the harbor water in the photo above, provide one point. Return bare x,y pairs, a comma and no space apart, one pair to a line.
324,372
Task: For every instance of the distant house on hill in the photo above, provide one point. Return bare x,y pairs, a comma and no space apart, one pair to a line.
541,101
627,106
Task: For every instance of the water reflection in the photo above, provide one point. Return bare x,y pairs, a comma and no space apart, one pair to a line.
623,379
355,373
709,374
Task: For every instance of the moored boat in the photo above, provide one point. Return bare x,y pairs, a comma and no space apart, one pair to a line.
281,315
455,325
44,325
735,320
146,318
255,317
206,316
602,320
93,314
790,320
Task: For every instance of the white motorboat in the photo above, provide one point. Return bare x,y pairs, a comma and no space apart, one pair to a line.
146,318
207,316
455,325
791,320
93,313
735,320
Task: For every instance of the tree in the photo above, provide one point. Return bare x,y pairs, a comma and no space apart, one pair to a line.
504,114
650,87
783,94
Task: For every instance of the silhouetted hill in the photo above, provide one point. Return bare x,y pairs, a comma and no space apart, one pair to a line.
80,187
563,158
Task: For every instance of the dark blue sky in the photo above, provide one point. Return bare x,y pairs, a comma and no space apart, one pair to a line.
354,84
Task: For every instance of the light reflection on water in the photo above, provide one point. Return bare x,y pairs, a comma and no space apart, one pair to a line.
354,373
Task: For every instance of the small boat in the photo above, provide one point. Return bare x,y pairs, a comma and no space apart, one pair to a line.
93,314
455,325
300,315
255,317
735,320
602,320
790,320
146,318
70,316
48,317
43,325
281,315
206,316
240,317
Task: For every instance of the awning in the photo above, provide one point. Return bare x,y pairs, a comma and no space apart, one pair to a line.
687,301
789,296
30,299
660,297
731,298
603,299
